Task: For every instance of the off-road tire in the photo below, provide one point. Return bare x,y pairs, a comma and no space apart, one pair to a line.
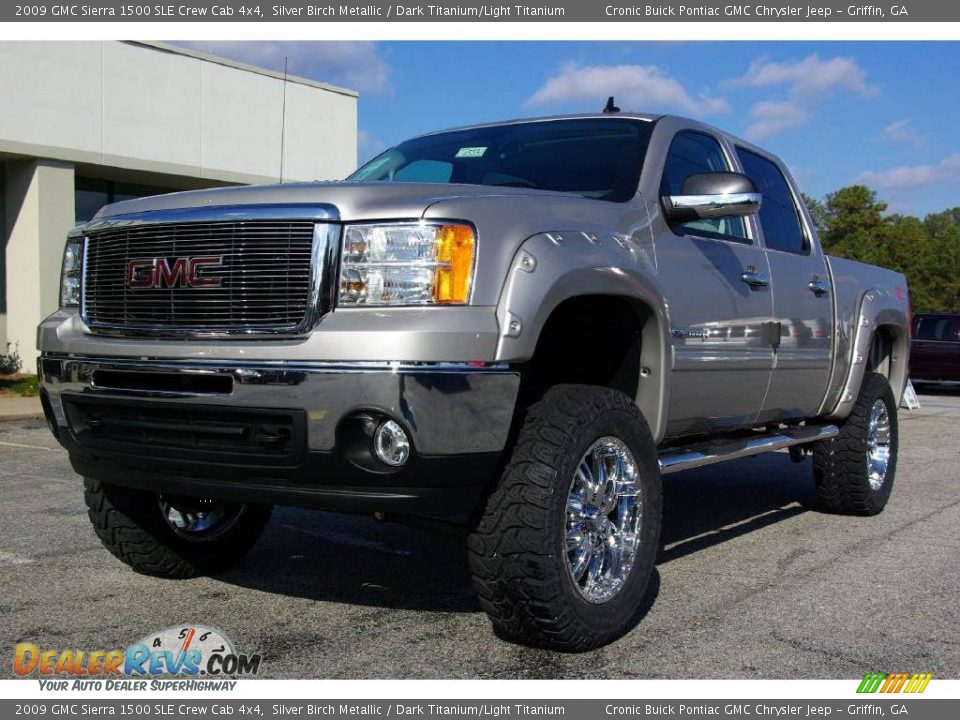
130,525
840,464
516,551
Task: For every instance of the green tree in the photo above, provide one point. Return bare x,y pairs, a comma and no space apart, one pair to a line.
943,231
852,223
909,249
818,213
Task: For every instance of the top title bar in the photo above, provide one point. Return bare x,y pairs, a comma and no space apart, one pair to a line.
463,11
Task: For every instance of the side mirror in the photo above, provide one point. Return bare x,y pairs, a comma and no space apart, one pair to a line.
713,195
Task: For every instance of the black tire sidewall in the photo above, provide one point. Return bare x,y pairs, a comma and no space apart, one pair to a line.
142,508
625,426
879,389
840,464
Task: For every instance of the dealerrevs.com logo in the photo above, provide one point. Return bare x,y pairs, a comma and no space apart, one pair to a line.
180,651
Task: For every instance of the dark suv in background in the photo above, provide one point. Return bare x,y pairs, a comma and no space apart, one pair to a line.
935,348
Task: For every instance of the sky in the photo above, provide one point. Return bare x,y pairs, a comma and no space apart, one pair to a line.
879,113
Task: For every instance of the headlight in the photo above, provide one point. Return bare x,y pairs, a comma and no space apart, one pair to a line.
71,274
407,264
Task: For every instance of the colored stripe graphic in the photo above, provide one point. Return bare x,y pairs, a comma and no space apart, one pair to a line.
894,682
899,683
871,682
919,682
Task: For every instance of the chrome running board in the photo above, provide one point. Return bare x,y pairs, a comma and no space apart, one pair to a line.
686,457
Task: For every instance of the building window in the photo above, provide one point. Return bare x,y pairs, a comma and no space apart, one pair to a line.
91,194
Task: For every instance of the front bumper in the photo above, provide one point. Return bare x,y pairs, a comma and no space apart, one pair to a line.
198,428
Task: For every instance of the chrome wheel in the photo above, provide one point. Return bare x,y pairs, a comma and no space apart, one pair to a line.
878,445
198,519
603,520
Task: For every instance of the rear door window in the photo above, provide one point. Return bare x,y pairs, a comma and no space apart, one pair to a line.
779,216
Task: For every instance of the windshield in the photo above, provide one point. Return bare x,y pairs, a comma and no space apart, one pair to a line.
597,158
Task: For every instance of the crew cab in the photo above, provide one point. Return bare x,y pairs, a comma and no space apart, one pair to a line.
524,325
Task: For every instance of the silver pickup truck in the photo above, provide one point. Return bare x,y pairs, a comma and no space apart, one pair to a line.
522,324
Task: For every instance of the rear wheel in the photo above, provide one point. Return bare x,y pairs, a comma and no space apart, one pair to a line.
854,472
564,551
172,536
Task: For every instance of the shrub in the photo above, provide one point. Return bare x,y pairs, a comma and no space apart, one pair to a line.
11,362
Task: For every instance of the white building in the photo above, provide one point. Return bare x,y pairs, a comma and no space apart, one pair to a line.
87,123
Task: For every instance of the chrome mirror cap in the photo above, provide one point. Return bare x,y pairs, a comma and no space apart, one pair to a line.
713,195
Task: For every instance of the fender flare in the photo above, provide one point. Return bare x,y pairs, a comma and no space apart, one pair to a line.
550,268
878,311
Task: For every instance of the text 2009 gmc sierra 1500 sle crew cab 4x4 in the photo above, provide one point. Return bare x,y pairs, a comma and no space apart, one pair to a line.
524,323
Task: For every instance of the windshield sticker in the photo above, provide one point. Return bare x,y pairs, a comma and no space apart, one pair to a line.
471,152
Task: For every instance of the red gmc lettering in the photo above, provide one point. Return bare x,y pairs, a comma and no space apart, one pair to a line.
182,272
138,279
166,276
194,279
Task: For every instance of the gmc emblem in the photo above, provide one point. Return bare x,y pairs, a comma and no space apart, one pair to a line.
182,272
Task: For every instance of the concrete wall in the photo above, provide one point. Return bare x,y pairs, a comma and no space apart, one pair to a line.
39,204
145,113
3,257
142,107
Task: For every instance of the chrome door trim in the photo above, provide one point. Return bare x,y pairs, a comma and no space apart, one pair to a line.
718,206
755,279
819,287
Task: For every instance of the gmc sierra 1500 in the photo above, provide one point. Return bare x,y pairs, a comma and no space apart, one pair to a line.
525,323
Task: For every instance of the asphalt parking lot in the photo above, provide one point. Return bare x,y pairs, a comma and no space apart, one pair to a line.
750,584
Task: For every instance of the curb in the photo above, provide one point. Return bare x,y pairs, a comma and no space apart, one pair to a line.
21,416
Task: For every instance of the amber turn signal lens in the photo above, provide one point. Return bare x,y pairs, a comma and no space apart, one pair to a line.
455,246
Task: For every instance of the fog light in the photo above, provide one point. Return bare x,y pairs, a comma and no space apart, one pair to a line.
391,444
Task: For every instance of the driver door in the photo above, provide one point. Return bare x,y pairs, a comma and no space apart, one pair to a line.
716,280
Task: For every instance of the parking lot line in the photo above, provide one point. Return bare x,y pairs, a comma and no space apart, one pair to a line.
28,447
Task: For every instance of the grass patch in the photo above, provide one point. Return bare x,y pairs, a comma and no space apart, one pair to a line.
19,385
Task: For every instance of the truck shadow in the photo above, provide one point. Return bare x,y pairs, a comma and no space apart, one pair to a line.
329,557
712,505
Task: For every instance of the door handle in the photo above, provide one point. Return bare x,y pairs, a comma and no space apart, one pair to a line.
755,279
818,287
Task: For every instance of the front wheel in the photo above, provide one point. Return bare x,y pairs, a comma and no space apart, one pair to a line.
172,536
854,471
564,551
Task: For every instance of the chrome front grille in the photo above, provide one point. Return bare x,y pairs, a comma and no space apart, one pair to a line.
255,276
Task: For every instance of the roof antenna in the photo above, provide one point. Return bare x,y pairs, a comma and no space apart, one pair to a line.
610,108
283,118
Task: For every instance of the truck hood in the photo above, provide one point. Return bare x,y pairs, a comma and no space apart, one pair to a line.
354,201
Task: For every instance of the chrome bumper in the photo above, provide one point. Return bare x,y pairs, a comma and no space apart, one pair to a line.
448,409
